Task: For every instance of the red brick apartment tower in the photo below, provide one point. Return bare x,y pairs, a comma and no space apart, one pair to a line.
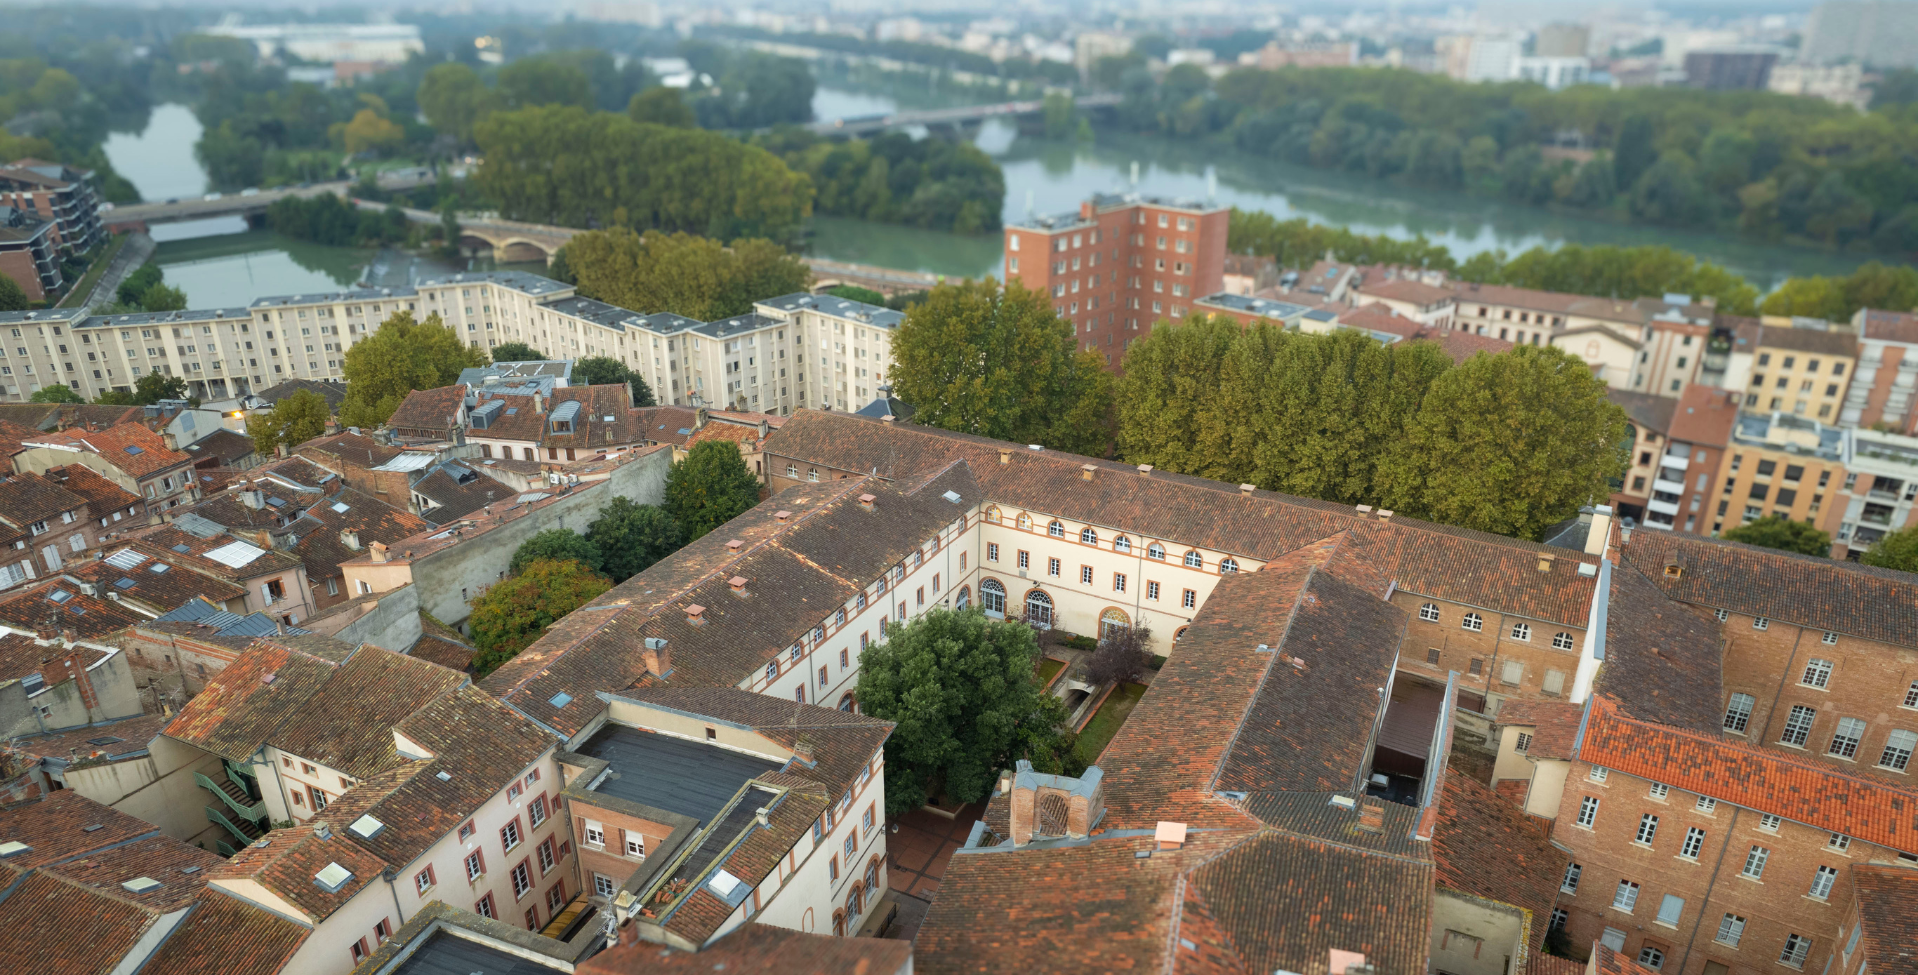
1121,263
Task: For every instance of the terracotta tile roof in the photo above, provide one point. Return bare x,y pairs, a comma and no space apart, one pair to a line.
483,745
758,949
348,723
221,448
796,573
55,828
239,709
447,651
103,497
1476,569
131,447
1486,847
438,410
27,498
1544,964
591,429
1403,289
373,520
226,935
1807,340
1461,345
1705,416
1378,316
1820,593
1663,658
1891,326
169,544
97,416
286,861
457,491
1651,412
181,869
1752,777
349,448
41,607
134,735
163,592
1550,301
664,424
11,435
68,929
1887,897
1554,725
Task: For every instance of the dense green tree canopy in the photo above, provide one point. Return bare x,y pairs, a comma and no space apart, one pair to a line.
1898,550
960,688
557,544
516,352
154,387
292,421
327,219
710,487
604,370
566,166
1001,364
853,292
1837,298
513,612
1780,532
544,80
661,106
454,99
402,356
630,537
1506,443
11,297
682,274
941,184
56,393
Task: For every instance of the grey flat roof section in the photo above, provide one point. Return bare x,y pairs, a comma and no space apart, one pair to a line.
445,954
686,777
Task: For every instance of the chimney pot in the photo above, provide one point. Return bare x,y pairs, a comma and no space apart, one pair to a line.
738,583
170,441
379,551
694,612
734,546
1545,560
782,516
866,500
1086,471
283,452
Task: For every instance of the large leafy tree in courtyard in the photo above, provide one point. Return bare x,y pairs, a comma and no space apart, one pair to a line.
404,355
559,545
512,613
630,537
710,487
516,352
1780,532
603,370
960,687
292,421
1507,443
1000,363
1898,550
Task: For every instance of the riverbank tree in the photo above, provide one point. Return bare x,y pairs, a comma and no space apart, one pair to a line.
697,277
939,184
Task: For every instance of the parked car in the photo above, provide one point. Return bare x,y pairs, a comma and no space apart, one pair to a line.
212,196
250,191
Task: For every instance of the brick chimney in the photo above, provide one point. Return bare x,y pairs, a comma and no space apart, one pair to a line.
1054,806
654,655
170,441
379,551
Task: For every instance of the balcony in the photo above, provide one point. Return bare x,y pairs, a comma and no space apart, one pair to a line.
1667,508
1667,486
1678,459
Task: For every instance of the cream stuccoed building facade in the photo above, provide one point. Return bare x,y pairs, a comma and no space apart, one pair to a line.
789,352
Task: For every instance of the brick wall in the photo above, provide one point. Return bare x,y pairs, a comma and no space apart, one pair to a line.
1482,657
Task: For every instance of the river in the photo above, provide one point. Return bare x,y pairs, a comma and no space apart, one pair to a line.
222,263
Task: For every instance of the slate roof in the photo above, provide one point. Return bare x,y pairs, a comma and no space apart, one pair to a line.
757,949
349,448
1754,778
797,573
285,861
1887,898
347,724
221,448
1554,725
27,498
103,497
239,709
226,935
1651,412
1808,340
1820,593
1487,847
429,409
1662,658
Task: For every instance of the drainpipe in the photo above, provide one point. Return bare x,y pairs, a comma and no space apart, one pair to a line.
387,875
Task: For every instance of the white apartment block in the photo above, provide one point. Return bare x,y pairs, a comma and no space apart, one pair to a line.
795,351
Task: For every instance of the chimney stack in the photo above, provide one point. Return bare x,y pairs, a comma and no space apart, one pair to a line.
283,452
379,551
782,516
1169,836
866,500
803,750
1086,471
734,545
1145,470
350,539
1372,816
1245,490
1046,806
695,614
738,583
170,441
253,499
1005,456
1545,560
655,656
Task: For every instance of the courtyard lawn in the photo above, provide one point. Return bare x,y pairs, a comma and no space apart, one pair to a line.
1049,669
1104,724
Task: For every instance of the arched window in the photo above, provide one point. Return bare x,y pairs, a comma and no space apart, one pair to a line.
963,599
1228,566
846,702
1429,612
1039,609
1113,622
860,601
839,618
872,874
855,904
1088,536
1522,631
839,924
1025,522
1056,530
1155,551
992,598
1122,544
992,514
1472,622
1194,560
1562,641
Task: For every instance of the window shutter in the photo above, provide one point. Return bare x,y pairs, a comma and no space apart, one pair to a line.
1512,671
1554,681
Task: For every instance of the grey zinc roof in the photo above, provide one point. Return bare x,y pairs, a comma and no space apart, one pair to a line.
349,294
197,610
58,316
750,322
520,281
842,307
136,319
1255,306
597,312
678,775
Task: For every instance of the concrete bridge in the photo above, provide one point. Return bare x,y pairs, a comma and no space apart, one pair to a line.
140,216
963,118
